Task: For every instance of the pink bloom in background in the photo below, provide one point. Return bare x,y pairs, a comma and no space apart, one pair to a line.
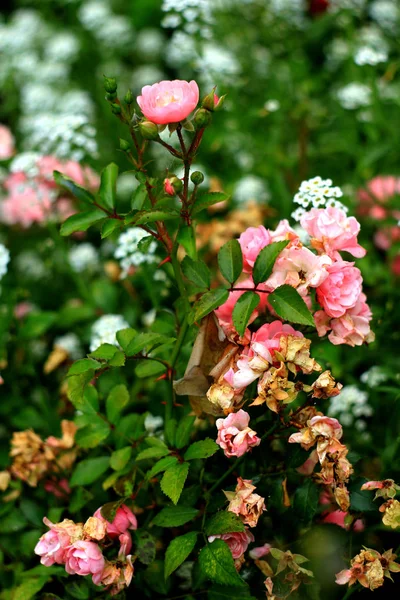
27,202
7,149
332,231
22,309
252,241
337,517
379,189
81,174
224,312
123,520
341,289
234,434
60,489
85,558
238,542
168,101
53,545
260,551
299,267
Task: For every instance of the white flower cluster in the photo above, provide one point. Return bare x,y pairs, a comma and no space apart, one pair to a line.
354,95
104,330
353,5
113,31
71,344
217,65
369,56
317,193
153,423
387,14
292,11
4,260
350,406
251,187
83,257
374,376
63,47
65,136
192,16
127,251
30,265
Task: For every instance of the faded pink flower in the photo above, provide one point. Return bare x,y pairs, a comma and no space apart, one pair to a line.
85,558
244,503
168,101
238,542
341,289
7,149
118,575
332,231
299,267
324,431
22,309
260,551
123,520
252,241
224,312
353,328
283,232
60,488
234,434
53,545
28,202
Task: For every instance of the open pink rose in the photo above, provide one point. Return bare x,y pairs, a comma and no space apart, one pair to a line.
53,545
299,267
283,232
168,101
123,520
252,241
353,328
7,149
234,434
238,542
332,231
341,290
85,558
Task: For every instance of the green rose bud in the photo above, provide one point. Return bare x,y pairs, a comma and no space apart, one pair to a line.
148,130
128,98
110,85
116,109
124,145
202,118
197,177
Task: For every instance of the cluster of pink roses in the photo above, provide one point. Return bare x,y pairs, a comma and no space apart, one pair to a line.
7,143
375,202
78,547
35,199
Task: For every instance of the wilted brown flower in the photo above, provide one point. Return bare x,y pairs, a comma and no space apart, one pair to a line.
295,352
325,386
369,568
391,517
244,503
275,389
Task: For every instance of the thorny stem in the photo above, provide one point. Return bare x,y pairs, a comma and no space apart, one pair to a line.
170,148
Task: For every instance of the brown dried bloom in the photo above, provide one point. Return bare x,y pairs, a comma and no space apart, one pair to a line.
325,386
369,568
95,528
275,389
391,517
244,503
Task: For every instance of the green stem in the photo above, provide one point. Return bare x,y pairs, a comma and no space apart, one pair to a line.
178,345
178,274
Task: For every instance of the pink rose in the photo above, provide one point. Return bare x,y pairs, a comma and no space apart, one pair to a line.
260,551
284,232
245,503
238,542
299,267
28,202
380,189
126,544
7,149
337,517
252,241
353,328
341,290
123,520
85,558
332,231
224,312
168,101
53,545
234,434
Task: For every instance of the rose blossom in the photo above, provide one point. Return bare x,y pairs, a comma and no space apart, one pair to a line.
6,143
283,232
124,519
341,289
224,312
244,503
53,545
28,202
85,558
252,241
380,189
260,551
118,575
352,328
234,434
238,542
168,101
332,231
299,267
324,431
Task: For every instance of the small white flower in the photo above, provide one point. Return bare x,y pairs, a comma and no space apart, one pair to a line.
152,423
104,330
128,253
354,95
316,193
4,260
374,377
71,344
83,257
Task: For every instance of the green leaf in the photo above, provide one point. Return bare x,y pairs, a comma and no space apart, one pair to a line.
109,227
184,431
104,352
196,271
149,368
178,551
125,336
173,481
224,522
144,340
108,186
89,470
145,547
120,458
76,387
139,197
175,516
162,465
109,510
290,306
209,302
118,360
216,563
144,217
266,259
243,310
82,221
29,588
116,401
230,260
205,200
35,324
202,449
83,365
93,433
156,452
75,189
223,592
187,239
170,432
305,503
